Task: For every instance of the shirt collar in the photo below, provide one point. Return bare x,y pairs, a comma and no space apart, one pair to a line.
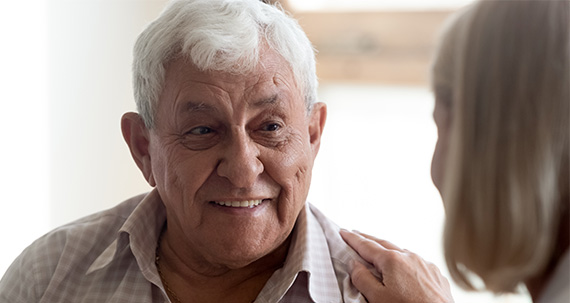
309,253
140,232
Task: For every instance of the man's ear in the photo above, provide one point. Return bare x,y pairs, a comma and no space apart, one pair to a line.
316,125
137,137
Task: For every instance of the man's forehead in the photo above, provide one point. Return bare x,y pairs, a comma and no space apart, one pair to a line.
208,106
270,64
201,92
182,71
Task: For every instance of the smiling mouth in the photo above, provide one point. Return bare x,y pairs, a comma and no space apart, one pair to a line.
240,204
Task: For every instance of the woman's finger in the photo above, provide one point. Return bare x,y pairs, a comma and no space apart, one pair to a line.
404,276
369,250
386,244
366,282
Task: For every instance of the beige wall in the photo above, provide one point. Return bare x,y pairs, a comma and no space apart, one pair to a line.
373,47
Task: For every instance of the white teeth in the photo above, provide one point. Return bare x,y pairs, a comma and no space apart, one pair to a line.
250,203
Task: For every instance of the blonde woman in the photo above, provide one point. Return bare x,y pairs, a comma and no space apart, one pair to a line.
501,79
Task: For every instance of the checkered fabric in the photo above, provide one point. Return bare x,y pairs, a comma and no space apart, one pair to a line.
109,257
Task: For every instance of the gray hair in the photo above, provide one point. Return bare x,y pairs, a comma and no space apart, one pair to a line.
218,35
506,66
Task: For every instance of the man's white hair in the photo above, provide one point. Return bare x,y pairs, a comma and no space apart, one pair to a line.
218,35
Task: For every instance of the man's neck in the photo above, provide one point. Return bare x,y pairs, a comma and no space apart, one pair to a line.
192,281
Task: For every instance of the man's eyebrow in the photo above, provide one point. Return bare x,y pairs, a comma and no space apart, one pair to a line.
266,101
196,106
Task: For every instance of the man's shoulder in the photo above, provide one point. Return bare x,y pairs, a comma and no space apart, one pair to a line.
66,248
341,254
92,227
56,265
82,234
338,248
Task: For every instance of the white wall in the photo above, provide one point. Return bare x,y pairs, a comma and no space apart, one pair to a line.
65,83
89,55
373,170
24,135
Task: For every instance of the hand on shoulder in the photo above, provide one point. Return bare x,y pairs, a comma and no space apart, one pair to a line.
405,276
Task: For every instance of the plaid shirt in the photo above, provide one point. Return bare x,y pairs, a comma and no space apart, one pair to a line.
110,257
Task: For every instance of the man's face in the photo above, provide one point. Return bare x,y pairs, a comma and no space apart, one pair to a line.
231,156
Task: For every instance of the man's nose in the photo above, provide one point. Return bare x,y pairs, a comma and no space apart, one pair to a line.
240,163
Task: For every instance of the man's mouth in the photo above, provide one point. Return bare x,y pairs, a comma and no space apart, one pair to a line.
241,204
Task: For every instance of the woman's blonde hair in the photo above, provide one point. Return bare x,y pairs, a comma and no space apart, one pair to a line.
506,68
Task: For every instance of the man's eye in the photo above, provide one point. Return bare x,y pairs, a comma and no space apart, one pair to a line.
271,127
200,130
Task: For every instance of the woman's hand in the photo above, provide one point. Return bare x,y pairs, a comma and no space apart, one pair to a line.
405,276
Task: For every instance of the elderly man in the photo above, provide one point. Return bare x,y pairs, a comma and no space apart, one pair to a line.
226,132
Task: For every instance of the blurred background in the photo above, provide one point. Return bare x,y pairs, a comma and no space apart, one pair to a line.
66,81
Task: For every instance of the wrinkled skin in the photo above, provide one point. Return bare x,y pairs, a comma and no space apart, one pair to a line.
222,137
405,276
